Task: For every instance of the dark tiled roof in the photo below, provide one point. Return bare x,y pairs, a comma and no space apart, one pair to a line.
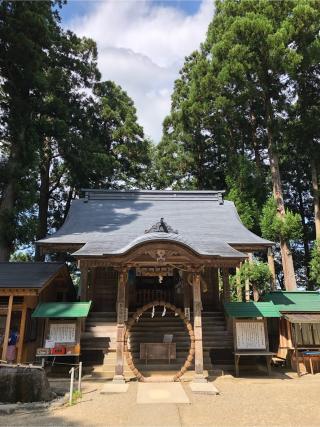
110,222
28,274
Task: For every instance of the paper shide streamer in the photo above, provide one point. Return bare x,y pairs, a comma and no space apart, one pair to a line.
164,311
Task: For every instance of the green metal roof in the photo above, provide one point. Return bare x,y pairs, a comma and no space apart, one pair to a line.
251,309
299,301
62,309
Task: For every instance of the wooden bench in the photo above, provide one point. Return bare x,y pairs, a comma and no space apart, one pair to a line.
311,354
267,354
158,351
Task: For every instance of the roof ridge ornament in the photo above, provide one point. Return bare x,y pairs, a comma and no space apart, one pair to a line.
161,227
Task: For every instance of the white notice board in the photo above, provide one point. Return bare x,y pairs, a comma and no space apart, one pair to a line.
250,336
63,332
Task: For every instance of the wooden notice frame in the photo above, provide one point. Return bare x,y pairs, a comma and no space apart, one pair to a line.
250,334
75,321
247,344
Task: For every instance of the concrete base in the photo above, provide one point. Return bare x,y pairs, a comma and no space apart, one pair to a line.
199,378
118,379
161,393
112,387
203,388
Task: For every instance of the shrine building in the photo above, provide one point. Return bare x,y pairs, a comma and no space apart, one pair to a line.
156,266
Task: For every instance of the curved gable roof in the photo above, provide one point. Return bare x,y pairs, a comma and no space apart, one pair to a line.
218,248
113,220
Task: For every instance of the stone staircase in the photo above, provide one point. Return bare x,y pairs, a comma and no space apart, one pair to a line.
98,343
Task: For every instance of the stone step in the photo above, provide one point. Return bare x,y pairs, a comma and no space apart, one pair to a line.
176,334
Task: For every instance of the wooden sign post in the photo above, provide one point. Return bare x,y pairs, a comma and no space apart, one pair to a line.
197,307
121,327
251,339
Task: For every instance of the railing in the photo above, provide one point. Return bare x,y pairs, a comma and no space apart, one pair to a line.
72,373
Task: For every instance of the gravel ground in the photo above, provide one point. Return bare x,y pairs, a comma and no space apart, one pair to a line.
283,400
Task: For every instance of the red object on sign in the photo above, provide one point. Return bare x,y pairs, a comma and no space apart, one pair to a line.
58,350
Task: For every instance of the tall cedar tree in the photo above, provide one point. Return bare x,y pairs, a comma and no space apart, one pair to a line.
71,68
252,85
26,30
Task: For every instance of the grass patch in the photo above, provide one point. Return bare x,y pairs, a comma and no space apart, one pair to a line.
76,395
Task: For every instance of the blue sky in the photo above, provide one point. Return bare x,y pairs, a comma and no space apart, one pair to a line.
141,46
79,7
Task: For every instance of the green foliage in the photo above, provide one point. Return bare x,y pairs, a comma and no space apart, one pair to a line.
315,264
250,95
57,136
19,256
274,227
76,395
258,274
244,189
247,210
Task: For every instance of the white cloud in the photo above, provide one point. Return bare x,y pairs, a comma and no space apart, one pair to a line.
141,46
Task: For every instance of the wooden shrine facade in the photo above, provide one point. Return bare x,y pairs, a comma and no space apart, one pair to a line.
160,260
141,246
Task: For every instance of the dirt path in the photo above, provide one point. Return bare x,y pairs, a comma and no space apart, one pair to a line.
242,402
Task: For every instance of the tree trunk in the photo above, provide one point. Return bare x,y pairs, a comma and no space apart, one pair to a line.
255,142
9,198
68,204
42,227
6,216
272,269
286,255
305,238
316,196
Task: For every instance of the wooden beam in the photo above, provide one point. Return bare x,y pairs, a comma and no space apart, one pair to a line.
121,327
18,292
21,332
7,329
197,320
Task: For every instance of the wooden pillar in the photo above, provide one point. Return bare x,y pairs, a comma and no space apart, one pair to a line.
7,329
186,299
21,332
121,315
226,284
126,297
83,283
197,325
239,289
247,284
272,269
214,285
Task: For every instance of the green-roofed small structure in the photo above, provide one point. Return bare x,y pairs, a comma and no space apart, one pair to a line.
23,285
294,302
251,309
299,326
62,310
